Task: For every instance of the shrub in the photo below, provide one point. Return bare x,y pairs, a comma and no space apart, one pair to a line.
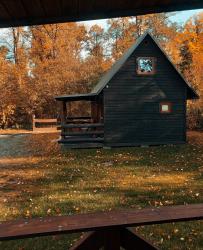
194,117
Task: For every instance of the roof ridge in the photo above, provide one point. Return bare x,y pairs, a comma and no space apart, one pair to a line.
117,65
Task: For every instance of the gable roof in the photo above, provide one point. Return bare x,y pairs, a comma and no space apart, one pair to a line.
191,93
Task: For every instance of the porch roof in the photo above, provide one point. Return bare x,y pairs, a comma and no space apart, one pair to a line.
78,97
33,12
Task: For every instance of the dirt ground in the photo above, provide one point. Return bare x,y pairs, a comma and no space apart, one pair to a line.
19,143
13,145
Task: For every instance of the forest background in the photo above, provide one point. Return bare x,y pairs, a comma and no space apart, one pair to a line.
38,63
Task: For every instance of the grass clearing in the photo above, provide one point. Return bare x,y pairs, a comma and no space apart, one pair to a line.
47,182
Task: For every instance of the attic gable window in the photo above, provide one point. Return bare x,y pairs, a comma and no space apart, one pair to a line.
145,65
165,107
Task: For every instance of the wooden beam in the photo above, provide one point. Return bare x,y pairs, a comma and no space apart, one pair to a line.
80,10
98,221
15,9
43,8
2,3
25,8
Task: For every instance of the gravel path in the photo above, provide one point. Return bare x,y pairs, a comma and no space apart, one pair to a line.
13,145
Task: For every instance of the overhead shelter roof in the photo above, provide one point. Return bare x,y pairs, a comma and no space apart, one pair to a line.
32,12
78,97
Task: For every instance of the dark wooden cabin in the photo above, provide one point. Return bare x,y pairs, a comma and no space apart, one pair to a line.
141,100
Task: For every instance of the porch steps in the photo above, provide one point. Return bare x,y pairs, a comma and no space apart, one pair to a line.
82,133
81,139
85,125
83,145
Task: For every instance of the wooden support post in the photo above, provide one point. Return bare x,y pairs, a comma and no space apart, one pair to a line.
63,117
132,241
63,112
112,239
89,241
70,109
93,111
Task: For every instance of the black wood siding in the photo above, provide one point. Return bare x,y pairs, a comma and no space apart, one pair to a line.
131,102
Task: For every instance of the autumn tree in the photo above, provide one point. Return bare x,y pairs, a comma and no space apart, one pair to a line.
123,32
56,64
15,74
191,64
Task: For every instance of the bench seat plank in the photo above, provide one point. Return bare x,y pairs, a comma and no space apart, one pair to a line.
97,221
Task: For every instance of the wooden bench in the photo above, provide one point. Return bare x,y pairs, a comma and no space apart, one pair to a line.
105,229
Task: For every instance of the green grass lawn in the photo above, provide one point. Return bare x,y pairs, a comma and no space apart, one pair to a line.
49,182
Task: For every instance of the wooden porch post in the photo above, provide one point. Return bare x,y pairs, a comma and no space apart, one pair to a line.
63,117
93,111
63,112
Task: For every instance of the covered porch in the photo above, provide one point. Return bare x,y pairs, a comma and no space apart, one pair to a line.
79,130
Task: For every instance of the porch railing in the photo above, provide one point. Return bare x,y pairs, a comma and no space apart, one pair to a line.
81,132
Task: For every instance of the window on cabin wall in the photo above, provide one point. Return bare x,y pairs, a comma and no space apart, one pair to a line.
165,107
146,65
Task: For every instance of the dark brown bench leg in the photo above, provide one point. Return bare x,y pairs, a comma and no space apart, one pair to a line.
132,241
113,239
108,239
90,241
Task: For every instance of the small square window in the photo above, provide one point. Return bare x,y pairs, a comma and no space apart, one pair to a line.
165,107
145,65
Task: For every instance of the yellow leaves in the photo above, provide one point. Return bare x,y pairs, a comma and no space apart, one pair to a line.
76,208
167,202
28,213
49,211
58,210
